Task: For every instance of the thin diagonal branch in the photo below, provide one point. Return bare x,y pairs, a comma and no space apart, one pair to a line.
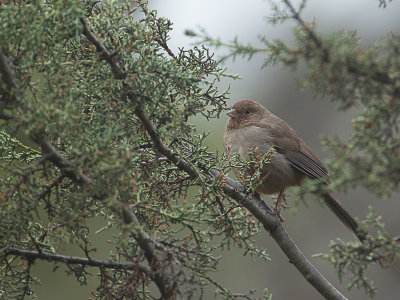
262,212
166,285
310,32
274,226
66,167
160,146
164,45
48,189
103,51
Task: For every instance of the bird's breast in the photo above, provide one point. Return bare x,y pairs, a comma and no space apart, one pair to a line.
242,139
278,173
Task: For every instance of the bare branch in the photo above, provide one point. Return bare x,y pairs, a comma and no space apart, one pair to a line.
74,260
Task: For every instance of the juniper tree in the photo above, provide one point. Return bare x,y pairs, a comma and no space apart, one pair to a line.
96,124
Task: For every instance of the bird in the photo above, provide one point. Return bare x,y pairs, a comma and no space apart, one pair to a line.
251,126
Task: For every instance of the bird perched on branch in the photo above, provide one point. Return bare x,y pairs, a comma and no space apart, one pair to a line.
251,125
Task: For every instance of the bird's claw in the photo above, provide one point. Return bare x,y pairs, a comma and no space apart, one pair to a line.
277,212
279,206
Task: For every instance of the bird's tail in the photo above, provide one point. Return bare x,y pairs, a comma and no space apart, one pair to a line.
344,216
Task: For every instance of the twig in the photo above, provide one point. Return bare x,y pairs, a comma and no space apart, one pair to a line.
311,33
48,189
166,48
166,286
49,151
153,161
8,77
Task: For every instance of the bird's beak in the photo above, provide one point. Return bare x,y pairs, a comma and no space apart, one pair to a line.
233,113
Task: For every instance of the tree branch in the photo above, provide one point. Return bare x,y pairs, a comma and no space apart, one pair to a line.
8,76
7,71
74,260
274,226
66,167
103,51
260,210
10,192
160,146
166,284
49,151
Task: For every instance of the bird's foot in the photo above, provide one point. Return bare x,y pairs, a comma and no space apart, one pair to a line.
279,206
277,212
281,198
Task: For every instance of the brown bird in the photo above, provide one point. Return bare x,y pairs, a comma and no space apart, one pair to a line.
251,125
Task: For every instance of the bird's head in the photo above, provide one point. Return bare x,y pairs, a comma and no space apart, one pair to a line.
244,113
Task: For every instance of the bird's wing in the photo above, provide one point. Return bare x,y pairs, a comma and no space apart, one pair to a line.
299,155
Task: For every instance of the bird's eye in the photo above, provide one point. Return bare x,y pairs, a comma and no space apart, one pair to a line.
246,112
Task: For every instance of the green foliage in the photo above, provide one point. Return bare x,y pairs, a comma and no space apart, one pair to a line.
74,77
12,150
68,92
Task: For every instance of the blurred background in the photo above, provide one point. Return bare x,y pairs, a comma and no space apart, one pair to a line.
312,227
